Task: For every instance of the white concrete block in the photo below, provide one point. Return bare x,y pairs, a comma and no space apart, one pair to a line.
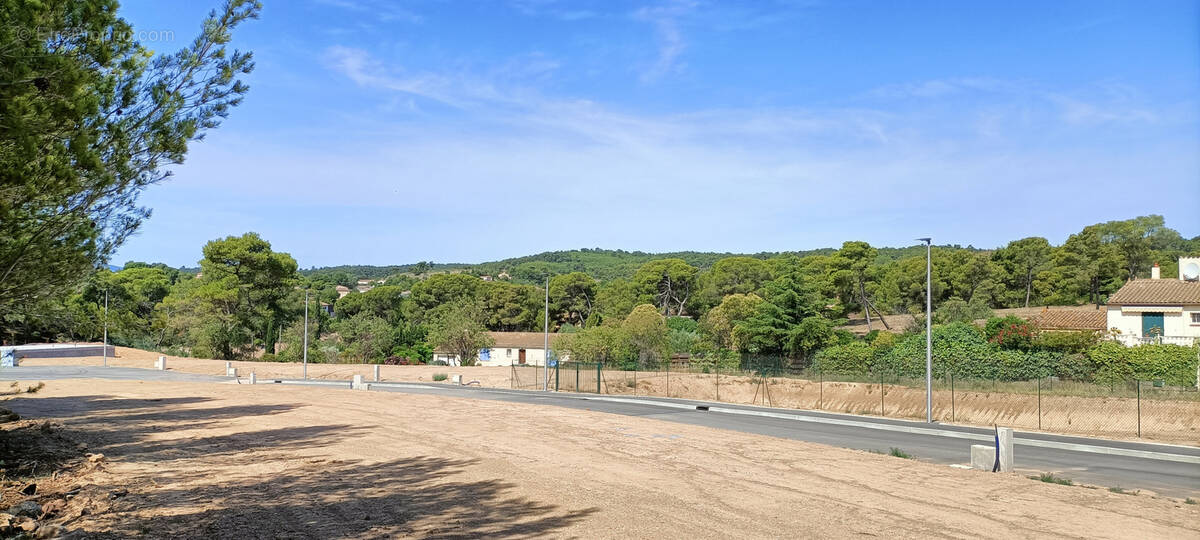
376,372
357,383
456,379
983,457
1006,449
253,378
230,371
161,363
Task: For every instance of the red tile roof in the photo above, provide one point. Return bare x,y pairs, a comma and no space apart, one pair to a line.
1157,292
1070,319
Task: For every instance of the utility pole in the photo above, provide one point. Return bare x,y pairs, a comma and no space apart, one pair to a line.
105,347
306,334
546,341
928,328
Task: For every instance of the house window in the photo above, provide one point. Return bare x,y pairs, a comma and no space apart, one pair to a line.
1196,318
508,353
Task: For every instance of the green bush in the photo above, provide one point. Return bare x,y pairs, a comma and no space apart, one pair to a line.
1075,367
438,377
684,324
269,357
1174,364
1066,342
855,357
1010,332
957,346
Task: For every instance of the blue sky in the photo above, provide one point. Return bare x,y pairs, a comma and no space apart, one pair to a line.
392,132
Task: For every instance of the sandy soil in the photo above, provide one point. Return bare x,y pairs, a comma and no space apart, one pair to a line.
1161,420
229,461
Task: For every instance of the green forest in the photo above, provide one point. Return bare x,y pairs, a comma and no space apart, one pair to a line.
247,301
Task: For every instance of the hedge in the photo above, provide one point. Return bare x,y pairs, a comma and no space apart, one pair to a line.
1174,364
963,350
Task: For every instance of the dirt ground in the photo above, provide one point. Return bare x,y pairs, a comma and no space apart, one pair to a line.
217,460
1173,421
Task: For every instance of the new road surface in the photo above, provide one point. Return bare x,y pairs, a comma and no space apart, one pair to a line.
1170,470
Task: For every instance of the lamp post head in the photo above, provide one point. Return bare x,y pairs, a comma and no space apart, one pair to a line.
926,240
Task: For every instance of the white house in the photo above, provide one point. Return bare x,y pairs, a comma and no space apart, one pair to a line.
1158,310
508,348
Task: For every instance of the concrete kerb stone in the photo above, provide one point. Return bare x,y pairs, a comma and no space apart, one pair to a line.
1006,449
983,457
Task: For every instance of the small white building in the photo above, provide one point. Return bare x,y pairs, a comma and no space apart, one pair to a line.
1158,310
508,348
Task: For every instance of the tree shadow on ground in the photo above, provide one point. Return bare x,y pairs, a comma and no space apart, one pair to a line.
407,497
131,428
232,490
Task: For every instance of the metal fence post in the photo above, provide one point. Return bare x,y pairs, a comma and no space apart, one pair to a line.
1039,385
718,369
668,377
635,380
820,388
1139,406
556,365
951,396
598,366
881,409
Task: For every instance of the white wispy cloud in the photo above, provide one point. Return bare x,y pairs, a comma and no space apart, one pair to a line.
380,10
665,19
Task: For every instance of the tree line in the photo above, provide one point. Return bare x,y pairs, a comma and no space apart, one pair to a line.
248,301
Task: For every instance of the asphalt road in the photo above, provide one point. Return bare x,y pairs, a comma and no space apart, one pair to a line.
1169,470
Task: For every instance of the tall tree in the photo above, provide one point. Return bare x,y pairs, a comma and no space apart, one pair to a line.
671,281
647,333
1094,264
732,275
719,323
1136,240
851,272
239,302
1023,258
460,330
88,123
574,296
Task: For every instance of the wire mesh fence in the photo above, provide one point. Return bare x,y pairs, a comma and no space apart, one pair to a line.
1121,408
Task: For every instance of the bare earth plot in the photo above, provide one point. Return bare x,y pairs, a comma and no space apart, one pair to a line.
228,461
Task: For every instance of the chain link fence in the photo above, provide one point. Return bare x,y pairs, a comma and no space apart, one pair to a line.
1127,408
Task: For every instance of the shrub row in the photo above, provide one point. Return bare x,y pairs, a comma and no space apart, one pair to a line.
963,350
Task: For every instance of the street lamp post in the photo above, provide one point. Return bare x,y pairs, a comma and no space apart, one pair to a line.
306,334
546,341
105,346
928,329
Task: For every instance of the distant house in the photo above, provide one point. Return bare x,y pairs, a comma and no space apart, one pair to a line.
1158,310
503,275
486,278
1070,320
342,290
509,348
363,288
365,281
327,308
